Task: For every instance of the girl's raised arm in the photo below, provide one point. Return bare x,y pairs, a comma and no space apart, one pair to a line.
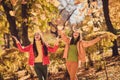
22,49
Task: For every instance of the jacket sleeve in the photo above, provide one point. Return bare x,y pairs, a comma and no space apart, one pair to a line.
52,49
23,49
91,42
65,38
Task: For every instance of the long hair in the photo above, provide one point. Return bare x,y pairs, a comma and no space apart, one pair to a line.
35,50
73,40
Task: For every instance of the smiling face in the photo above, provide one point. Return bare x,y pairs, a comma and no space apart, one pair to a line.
37,36
75,35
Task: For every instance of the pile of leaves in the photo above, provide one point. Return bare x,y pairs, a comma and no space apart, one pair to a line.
12,61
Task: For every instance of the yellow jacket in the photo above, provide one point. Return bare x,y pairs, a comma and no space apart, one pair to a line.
81,45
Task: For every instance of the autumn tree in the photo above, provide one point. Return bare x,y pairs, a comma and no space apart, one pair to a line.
109,25
8,8
24,24
23,15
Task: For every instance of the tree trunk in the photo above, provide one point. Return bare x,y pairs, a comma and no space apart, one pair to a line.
11,20
109,25
90,60
1,76
6,40
25,40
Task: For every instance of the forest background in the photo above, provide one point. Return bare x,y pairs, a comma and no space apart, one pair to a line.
22,18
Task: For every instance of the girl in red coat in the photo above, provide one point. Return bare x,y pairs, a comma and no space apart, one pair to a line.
38,55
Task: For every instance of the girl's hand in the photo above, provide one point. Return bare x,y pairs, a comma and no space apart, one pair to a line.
59,32
57,41
103,36
15,39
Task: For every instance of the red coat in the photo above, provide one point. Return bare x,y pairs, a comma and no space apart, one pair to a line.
29,49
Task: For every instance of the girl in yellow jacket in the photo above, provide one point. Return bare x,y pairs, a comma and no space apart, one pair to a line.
75,51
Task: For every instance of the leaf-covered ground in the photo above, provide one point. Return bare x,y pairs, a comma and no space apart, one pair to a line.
112,68
57,69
